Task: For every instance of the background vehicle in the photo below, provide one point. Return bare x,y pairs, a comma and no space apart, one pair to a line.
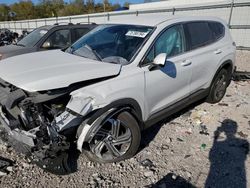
114,82
47,38
25,32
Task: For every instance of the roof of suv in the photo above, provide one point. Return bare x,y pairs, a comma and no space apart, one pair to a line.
154,20
48,27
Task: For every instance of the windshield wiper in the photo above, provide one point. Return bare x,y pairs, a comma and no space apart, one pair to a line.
85,51
20,45
70,49
94,52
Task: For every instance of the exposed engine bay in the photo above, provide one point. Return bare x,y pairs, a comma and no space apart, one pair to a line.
40,121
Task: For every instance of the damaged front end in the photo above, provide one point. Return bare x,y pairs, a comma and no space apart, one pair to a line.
40,122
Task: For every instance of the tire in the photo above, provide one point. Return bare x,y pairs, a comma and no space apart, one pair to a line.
219,86
127,124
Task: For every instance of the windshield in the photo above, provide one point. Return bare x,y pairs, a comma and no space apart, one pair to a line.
31,39
111,43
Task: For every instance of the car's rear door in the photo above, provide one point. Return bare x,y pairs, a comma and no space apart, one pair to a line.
78,32
203,52
169,84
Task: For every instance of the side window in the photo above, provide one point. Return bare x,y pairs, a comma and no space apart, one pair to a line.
218,29
57,40
171,42
150,57
79,32
199,33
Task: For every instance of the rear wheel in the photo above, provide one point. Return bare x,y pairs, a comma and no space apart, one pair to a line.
117,138
219,86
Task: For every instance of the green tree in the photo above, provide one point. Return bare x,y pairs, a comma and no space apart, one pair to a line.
116,6
74,8
107,6
23,10
90,6
4,10
49,8
99,7
126,4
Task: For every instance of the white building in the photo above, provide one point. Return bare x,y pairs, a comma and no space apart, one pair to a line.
171,4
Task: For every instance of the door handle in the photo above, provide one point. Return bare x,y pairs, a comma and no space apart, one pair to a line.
186,63
218,51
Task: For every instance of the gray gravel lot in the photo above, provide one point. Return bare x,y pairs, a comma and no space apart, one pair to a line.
205,145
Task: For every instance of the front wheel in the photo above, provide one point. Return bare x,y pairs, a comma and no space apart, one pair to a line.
219,86
117,138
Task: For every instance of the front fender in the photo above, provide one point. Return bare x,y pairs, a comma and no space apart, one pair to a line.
83,103
127,88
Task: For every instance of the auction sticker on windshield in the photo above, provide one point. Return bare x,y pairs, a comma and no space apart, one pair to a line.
137,34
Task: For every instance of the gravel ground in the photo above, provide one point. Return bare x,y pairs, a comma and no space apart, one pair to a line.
205,145
243,60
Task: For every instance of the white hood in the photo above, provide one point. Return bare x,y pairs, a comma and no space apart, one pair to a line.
52,69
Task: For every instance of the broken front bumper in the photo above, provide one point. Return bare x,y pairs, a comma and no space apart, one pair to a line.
17,134
58,160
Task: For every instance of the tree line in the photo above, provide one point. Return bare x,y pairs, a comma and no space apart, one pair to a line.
53,8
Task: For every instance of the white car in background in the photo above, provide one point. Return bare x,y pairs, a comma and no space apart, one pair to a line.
114,82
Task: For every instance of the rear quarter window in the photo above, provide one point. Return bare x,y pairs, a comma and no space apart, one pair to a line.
199,34
79,32
218,29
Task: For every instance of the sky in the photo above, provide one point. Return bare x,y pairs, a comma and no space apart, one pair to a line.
97,1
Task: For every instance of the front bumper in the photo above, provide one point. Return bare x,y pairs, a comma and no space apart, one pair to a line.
16,134
61,159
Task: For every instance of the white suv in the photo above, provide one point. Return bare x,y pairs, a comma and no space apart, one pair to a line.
112,83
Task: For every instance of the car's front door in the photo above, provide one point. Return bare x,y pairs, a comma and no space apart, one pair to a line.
167,85
59,39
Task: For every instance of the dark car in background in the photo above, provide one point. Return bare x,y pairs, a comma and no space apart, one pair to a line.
46,38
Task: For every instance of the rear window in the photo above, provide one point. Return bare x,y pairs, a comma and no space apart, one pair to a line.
217,29
200,34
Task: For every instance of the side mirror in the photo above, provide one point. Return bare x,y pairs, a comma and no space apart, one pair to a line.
158,61
46,45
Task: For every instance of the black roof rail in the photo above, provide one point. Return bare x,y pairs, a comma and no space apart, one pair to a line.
63,23
92,23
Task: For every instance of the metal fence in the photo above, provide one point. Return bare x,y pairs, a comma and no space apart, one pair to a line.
235,12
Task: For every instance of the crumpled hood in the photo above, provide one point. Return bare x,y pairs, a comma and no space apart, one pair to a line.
52,69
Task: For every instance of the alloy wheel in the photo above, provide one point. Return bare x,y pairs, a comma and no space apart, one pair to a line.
220,87
112,139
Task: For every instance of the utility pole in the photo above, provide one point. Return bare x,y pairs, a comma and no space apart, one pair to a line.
231,13
104,6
